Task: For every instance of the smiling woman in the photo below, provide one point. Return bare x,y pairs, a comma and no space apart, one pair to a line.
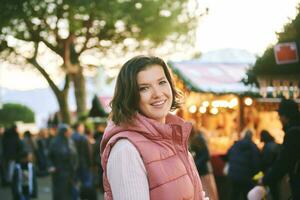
144,147
155,93
138,75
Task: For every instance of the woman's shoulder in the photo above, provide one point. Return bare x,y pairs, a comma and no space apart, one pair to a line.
124,153
123,147
123,144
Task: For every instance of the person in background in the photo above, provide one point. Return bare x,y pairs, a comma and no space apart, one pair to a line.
84,176
24,184
2,179
43,142
52,130
99,130
12,146
144,152
200,150
91,142
269,154
91,192
29,144
288,161
244,162
63,161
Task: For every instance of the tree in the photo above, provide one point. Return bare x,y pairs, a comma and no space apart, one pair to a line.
97,109
74,28
266,64
11,113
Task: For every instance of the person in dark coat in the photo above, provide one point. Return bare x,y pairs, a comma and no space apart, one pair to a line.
24,184
29,143
1,155
200,150
42,152
244,162
269,154
288,161
12,146
96,153
83,176
63,162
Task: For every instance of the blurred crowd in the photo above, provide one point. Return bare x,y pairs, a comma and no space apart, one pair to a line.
244,160
70,155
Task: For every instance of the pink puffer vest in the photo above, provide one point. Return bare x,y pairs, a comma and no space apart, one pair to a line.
171,171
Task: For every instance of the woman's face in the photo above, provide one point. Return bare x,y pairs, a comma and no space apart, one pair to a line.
155,93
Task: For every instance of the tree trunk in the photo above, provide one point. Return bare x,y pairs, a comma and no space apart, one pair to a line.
64,107
80,92
61,95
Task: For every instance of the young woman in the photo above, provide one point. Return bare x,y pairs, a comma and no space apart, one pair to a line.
144,147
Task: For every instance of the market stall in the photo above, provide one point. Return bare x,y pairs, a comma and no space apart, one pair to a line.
277,74
215,99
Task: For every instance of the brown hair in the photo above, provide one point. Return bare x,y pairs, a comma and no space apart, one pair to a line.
126,97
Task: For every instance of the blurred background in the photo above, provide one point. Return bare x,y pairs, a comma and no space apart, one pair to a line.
233,60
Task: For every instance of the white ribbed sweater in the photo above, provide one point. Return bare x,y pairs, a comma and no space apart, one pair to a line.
126,173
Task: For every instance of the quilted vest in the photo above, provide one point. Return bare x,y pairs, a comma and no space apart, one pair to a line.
171,171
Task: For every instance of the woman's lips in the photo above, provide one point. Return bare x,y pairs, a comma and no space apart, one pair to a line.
158,103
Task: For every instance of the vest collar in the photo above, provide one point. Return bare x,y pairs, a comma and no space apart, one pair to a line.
151,129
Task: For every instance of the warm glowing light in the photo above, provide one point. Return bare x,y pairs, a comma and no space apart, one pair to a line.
248,101
205,103
214,111
202,109
192,109
233,103
220,103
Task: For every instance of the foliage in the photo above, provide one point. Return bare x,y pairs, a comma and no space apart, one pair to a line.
97,109
250,79
266,64
74,29
11,113
96,24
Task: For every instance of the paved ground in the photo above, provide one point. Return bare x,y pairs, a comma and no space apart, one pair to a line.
44,190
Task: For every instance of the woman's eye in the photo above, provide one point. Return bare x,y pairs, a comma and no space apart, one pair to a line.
162,82
143,88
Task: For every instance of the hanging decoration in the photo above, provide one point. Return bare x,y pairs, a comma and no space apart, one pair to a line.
278,71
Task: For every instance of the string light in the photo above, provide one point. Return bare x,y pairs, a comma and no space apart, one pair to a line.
248,101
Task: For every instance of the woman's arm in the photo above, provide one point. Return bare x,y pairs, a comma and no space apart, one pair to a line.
126,173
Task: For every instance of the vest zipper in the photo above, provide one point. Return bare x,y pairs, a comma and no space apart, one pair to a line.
185,147
188,168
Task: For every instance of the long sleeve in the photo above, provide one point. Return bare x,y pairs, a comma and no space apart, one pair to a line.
285,159
126,173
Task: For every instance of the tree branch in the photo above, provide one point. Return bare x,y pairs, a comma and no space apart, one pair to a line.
43,71
89,24
67,83
50,46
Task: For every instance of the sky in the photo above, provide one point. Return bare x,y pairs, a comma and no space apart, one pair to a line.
242,24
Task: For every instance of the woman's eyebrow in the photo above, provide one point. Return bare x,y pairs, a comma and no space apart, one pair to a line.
143,84
162,78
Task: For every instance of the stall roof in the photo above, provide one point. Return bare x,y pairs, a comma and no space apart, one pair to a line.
220,76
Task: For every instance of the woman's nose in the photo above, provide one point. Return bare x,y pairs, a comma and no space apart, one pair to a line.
156,92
